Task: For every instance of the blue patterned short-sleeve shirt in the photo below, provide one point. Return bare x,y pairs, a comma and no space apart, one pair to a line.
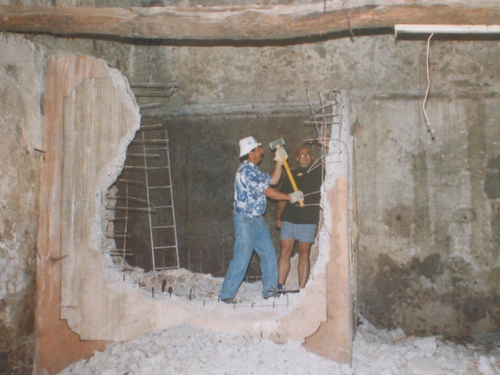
249,184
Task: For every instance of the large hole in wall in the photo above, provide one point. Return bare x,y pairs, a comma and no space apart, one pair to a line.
192,159
100,302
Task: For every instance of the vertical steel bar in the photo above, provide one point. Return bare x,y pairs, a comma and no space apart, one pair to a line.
146,176
172,198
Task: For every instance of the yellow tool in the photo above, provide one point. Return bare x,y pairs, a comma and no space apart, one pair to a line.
275,145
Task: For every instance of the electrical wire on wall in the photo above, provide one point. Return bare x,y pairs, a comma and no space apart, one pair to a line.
427,122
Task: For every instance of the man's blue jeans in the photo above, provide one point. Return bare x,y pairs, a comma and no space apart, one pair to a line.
251,234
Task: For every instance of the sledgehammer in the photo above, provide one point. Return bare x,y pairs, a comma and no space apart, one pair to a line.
274,145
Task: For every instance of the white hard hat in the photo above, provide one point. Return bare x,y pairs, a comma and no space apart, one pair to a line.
247,144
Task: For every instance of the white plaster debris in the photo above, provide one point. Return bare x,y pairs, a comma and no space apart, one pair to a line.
198,287
191,350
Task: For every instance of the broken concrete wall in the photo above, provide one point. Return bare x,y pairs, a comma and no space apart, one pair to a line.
83,302
385,80
90,117
21,67
445,222
377,72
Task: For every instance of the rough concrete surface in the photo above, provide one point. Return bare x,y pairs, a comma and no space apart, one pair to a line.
428,210
430,249
91,118
20,133
430,206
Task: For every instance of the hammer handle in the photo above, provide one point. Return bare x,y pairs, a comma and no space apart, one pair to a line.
292,180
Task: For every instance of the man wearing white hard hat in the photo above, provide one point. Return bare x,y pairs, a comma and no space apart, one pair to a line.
251,187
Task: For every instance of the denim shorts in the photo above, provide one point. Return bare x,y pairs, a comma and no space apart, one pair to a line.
300,232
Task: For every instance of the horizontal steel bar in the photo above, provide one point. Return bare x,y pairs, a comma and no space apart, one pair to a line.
155,85
151,127
133,209
146,156
119,219
131,199
131,182
149,141
142,169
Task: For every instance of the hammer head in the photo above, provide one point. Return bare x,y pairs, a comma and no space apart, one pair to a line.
274,144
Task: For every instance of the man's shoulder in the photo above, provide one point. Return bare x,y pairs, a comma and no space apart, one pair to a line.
248,167
306,171
249,170
312,176
315,171
317,174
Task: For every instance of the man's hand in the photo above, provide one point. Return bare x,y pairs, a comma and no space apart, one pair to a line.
280,153
296,196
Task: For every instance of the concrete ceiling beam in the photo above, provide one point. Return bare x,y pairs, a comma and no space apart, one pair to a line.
277,22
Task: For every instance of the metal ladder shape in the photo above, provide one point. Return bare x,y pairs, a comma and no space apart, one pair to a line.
162,224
